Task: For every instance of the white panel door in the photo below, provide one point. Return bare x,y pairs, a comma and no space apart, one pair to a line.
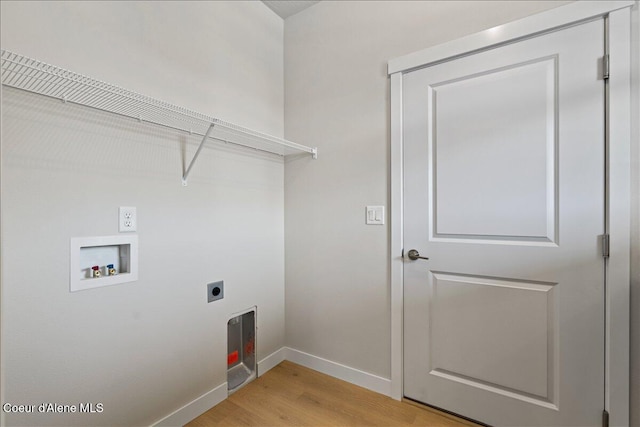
504,193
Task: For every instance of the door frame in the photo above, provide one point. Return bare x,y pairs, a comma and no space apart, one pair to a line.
618,177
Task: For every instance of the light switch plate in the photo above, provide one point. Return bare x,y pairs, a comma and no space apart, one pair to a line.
375,215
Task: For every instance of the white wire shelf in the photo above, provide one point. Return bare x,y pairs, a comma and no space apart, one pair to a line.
31,75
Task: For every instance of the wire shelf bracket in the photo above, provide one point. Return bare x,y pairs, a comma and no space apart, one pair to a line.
34,76
195,156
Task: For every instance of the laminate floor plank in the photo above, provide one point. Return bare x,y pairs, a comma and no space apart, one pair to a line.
292,395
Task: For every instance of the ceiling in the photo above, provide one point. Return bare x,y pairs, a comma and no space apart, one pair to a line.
286,8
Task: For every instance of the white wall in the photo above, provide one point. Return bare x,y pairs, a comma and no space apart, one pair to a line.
337,97
142,349
222,58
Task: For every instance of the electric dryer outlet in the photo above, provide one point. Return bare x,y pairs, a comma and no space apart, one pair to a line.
215,291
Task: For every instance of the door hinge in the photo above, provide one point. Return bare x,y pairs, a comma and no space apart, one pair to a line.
605,245
605,67
605,418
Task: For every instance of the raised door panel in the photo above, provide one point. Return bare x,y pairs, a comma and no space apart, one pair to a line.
495,334
493,145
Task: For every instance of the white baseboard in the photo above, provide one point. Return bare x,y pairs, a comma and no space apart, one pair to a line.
210,399
342,372
271,361
195,408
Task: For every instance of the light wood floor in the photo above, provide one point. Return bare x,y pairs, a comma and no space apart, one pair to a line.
291,395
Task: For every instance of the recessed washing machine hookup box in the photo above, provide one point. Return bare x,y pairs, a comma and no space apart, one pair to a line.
102,261
241,350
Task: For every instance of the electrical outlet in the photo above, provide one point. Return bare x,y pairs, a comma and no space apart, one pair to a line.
215,291
128,220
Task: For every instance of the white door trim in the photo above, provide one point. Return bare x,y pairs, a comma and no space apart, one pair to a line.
618,180
618,278
506,33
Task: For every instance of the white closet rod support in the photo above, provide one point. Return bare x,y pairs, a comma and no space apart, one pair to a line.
195,156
